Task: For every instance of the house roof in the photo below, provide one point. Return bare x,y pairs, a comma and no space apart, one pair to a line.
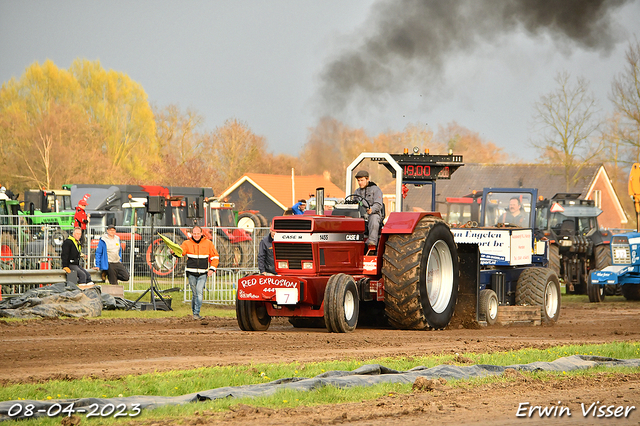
548,179
280,188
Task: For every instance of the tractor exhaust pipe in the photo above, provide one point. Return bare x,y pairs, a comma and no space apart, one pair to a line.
320,201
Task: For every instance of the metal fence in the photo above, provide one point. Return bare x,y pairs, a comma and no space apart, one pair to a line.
31,247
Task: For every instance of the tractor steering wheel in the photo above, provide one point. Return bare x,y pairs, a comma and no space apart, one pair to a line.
357,199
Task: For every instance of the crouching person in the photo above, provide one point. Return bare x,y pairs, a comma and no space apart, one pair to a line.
70,256
109,257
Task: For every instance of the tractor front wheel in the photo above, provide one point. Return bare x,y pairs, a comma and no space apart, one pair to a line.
595,292
421,276
252,316
341,304
488,306
540,287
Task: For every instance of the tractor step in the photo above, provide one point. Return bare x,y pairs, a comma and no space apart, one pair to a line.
522,315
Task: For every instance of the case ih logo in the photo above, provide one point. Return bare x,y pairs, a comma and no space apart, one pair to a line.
292,237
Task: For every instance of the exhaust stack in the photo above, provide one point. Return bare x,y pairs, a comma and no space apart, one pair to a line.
320,201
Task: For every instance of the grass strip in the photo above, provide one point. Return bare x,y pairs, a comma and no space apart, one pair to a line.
176,383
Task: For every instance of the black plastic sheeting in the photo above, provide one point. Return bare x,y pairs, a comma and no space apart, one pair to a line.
64,299
52,301
367,375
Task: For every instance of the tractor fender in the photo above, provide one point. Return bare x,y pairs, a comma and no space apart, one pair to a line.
405,222
601,237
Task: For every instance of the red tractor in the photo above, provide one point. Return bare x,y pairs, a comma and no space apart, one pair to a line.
323,272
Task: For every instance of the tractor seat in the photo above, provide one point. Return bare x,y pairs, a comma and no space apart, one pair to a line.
568,227
350,210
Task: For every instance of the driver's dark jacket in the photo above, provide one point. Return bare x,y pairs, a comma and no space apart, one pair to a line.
266,262
373,194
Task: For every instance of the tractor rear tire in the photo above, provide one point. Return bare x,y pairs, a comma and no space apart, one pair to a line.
554,258
602,256
488,306
341,304
159,258
237,255
248,254
630,291
421,276
249,221
595,292
263,220
223,247
540,287
230,254
252,316
602,259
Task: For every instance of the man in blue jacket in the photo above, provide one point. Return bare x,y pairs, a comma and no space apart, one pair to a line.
299,207
109,257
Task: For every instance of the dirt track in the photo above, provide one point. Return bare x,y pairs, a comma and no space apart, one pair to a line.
44,349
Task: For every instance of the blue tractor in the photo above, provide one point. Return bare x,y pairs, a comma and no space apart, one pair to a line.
514,263
625,254
625,268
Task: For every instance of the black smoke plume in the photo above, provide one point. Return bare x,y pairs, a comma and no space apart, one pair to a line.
405,44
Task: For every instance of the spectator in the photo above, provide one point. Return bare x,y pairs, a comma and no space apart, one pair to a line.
373,195
202,261
266,264
288,212
109,257
80,218
299,207
70,255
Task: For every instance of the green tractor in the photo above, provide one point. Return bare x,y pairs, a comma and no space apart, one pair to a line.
9,237
33,239
52,211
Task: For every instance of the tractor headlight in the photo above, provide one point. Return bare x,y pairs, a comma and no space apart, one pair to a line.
283,264
307,265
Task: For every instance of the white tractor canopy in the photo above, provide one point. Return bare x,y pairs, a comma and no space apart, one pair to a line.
416,168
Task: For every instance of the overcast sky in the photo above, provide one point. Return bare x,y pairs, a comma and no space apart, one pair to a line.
279,65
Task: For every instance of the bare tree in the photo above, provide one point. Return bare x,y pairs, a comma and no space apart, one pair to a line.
331,147
235,150
625,95
184,150
467,143
567,120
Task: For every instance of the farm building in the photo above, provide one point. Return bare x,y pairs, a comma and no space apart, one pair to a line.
272,194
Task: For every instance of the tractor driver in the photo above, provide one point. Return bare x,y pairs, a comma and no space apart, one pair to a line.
373,194
515,215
